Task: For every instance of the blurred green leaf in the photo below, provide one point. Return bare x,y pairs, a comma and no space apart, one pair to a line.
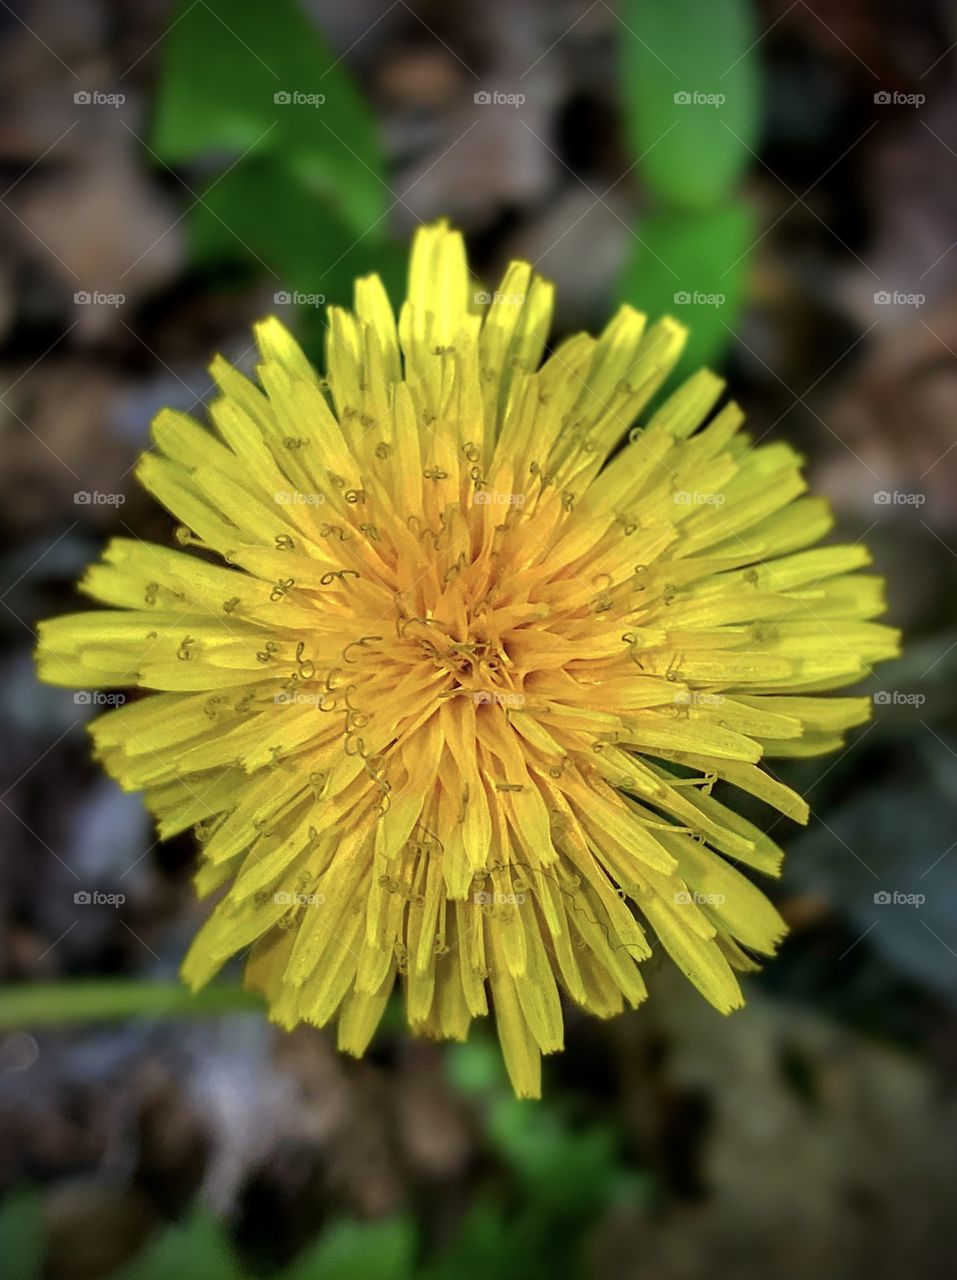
21,1236
527,1245
263,213
480,1248
475,1067
693,266
197,1247
359,1251
235,79
690,89
568,1171
36,1004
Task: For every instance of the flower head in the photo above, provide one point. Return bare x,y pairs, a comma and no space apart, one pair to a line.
448,689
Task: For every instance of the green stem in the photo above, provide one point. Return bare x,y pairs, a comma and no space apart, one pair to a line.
40,1004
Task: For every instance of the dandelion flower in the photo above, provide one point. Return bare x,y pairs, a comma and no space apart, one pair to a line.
447,691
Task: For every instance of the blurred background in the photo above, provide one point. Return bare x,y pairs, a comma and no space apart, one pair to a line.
781,176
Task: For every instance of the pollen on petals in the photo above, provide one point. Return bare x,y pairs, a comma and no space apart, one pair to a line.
448,693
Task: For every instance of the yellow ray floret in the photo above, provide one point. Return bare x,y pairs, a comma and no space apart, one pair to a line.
447,696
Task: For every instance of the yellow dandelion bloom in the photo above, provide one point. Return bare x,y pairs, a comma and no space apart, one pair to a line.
448,691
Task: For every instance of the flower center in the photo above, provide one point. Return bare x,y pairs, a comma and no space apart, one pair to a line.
478,666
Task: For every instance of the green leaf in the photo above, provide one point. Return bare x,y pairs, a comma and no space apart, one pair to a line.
21,1236
693,266
262,214
196,1247
490,1244
37,1004
690,88
238,78
570,1172
475,1067
359,1251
